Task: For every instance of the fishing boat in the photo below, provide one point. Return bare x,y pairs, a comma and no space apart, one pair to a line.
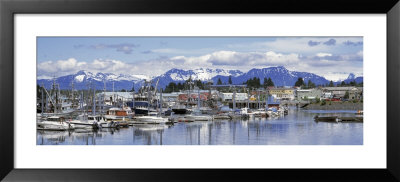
261,113
222,116
94,122
56,123
82,122
141,104
196,115
181,118
326,118
53,103
120,114
151,118
180,109
246,113
102,122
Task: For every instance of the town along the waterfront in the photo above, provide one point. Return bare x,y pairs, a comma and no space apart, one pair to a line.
202,113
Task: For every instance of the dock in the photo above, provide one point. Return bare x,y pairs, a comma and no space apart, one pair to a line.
336,119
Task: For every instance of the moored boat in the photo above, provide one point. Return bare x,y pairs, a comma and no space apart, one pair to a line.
120,114
55,123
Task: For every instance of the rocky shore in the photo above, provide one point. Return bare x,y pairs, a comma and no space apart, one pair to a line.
335,106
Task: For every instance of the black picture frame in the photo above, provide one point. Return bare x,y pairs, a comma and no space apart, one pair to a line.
8,8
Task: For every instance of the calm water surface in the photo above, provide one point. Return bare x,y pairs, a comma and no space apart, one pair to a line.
297,128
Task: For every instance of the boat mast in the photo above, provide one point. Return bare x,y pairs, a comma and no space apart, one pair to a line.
72,93
148,96
55,90
47,97
234,99
133,96
198,99
42,99
161,101
81,103
248,95
104,96
113,95
266,98
94,102
190,87
258,98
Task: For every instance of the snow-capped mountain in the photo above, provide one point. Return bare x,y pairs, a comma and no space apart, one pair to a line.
82,75
353,77
203,74
279,75
82,79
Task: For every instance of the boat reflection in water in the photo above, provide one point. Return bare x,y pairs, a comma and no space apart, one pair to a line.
297,128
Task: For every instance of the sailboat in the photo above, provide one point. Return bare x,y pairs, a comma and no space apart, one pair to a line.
94,121
196,114
56,123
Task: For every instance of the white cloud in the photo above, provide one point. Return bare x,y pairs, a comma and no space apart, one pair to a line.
298,45
327,64
321,54
71,66
238,60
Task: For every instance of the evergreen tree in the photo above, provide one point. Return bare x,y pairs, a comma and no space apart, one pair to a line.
180,86
270,82
199,84
331,83
346,95
219,82
265,82
189,80
253,83
343,84
170,87
257,83
310,84
299,82
230,80
133,88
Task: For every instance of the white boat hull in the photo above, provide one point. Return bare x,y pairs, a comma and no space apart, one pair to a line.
199,118
46,125
150,120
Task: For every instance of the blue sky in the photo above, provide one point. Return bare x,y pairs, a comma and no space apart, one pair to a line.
332,57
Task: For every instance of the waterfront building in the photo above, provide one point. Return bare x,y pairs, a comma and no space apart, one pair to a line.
238,96
308,94
284,93
339,92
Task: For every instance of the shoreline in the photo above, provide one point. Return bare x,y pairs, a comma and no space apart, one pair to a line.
335,106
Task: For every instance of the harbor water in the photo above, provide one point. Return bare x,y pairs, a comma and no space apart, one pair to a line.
296,128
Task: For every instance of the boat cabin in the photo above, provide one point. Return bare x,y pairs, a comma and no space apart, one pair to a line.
55,118
97,118
117,112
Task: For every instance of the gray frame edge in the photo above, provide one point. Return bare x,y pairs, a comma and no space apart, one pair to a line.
6,94
393,100
8,8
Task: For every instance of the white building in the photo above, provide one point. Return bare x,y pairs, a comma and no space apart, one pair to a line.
305,94
238,96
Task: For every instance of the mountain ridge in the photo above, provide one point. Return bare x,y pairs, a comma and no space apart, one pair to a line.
279,75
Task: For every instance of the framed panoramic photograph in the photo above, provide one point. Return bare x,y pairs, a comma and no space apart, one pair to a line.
125,91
